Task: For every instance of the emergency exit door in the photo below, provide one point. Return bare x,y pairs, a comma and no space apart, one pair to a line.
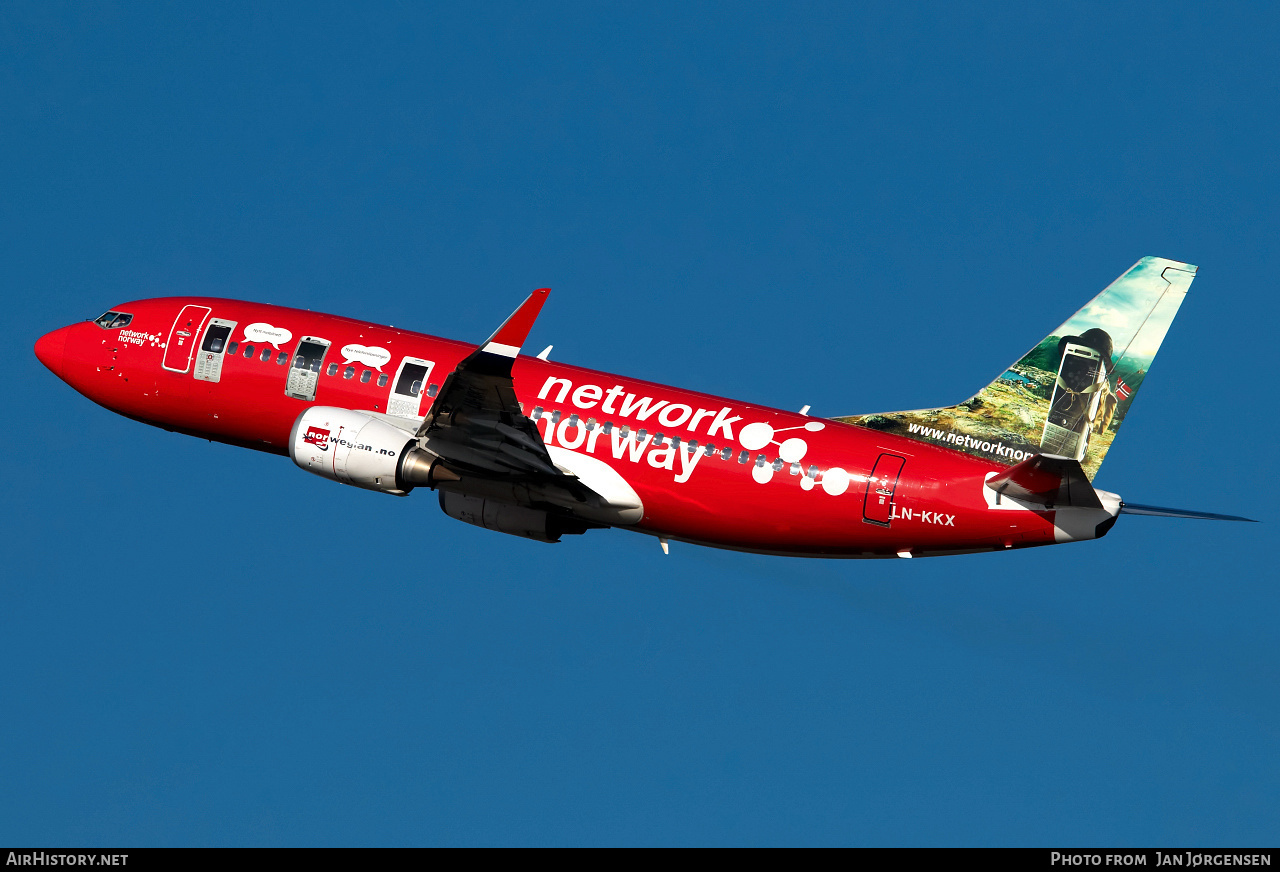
409,386
877,507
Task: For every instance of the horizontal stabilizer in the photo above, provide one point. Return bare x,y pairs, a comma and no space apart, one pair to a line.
1160,512
1048,480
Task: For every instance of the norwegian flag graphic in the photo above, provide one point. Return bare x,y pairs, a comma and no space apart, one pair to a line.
1123,391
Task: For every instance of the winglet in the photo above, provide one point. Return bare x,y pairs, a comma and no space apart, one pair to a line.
508,338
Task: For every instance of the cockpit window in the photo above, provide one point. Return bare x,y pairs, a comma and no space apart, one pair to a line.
113,320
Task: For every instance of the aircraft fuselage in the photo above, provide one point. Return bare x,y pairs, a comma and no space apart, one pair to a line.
708,470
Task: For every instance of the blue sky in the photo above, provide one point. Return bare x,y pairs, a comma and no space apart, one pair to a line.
861,209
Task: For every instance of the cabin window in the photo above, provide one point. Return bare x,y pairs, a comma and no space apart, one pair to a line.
813,472
365,376
555,417
693,446
744,456
233,347
759,461
726,453
382,380
573,420
795,469
607,428
709,450
659,439
415,388
640,435
591,424
333,369
433,390
777,464
537,412
248,351
349,372
282,358
113,320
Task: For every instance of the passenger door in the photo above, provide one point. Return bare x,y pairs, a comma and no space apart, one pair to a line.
182,338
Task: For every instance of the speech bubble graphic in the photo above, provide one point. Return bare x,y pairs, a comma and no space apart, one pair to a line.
374,357
260,331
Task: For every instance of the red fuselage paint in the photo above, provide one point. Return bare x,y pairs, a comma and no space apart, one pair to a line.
900,496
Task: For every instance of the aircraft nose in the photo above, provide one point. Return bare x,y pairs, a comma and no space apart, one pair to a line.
50,347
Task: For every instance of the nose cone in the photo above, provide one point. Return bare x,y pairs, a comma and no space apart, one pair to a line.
49,348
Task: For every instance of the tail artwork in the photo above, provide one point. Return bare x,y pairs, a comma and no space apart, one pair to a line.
1067,396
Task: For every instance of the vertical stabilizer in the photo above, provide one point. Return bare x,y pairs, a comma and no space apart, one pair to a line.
1069,395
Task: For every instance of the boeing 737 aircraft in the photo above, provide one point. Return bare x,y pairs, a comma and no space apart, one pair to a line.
540,449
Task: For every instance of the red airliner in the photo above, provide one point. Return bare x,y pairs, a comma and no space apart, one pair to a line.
540,449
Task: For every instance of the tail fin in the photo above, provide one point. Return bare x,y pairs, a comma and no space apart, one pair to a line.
1067,396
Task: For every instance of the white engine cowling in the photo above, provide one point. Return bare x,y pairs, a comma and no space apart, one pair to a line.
353,448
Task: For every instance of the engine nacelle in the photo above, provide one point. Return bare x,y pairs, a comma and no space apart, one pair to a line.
508,517
359,449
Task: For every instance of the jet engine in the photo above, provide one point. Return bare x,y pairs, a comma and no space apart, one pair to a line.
376,452
363,450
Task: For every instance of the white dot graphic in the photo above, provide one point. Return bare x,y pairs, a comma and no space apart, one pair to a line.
758,435
753,437
835,481
792,451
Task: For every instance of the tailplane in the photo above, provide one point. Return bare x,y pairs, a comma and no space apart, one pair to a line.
1068,396
1161,512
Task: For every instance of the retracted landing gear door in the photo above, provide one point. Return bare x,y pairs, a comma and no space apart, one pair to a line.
877,507
407,389
182,338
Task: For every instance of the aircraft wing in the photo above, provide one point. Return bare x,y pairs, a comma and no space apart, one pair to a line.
476,425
